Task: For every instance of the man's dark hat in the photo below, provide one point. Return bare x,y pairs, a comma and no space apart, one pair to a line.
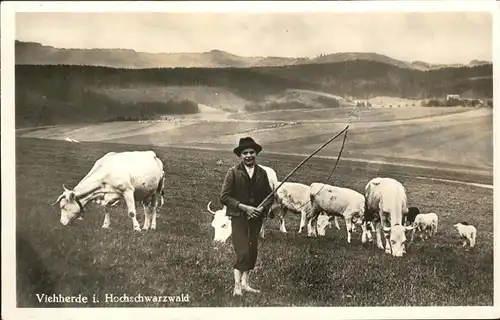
245,143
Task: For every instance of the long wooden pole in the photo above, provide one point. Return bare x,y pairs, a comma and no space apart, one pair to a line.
300,164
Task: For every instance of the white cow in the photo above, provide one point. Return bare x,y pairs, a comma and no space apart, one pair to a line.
292,197
425,223
467,232
222,223
132,176
386,200
337,201
273,183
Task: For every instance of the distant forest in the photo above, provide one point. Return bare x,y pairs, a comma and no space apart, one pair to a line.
52,94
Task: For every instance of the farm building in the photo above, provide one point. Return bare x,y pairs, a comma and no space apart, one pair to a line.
452,96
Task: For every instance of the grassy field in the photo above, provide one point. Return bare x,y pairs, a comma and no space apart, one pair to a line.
352,114
178,258
450,137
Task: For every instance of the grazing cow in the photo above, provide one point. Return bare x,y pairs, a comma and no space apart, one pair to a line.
409,218
386,201
425,223
467,232
337,201
273,183
222,223
132,176
293,197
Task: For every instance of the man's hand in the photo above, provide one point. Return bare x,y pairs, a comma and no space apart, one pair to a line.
251,211
256,212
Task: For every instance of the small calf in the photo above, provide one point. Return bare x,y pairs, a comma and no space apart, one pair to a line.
467,233
426,224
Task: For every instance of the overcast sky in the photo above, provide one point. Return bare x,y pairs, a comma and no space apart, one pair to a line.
456,37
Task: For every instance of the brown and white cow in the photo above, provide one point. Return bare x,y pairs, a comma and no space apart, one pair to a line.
337,201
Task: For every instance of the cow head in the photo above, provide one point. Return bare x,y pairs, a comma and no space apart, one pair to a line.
221,224
398,238
324,221
71,207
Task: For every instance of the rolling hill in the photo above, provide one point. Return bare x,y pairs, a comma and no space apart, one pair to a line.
36,53
39,54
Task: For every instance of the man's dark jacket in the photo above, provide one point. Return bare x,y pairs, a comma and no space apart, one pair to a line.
238,187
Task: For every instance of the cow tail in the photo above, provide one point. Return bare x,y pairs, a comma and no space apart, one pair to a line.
473,239
160,189
368,214
311,206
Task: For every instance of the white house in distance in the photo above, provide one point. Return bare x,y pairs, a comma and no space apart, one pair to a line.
452,96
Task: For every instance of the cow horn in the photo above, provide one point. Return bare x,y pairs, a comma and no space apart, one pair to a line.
208,208
386,229
409,228
65,189
58,199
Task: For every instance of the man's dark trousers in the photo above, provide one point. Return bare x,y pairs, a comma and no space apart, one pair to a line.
245,236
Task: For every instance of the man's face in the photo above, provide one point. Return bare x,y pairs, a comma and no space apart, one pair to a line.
248,157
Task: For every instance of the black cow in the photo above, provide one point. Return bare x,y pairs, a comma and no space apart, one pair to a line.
410,216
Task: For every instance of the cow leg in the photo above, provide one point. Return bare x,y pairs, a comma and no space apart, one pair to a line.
154,208
283,212
368,233
106,222
312,230
378,235
262,232
147,216
348,225
387,243
384,222
128,194
413,234
337,223
365,234
302,220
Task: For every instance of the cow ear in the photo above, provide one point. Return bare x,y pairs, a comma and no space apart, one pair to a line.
71,196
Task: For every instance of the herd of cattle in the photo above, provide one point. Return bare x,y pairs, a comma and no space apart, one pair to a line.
138,176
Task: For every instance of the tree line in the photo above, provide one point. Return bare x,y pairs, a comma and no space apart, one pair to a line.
52,93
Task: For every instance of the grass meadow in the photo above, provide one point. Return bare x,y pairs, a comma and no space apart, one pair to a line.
457,140
353,114
179,257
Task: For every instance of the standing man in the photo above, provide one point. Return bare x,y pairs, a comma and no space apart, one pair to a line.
245,186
